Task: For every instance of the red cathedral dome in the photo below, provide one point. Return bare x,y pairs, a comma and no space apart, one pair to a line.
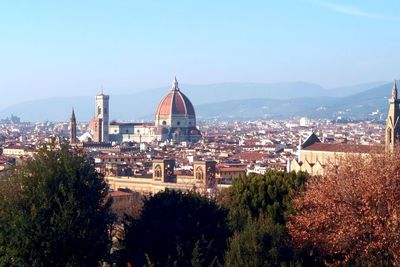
175,103
92,124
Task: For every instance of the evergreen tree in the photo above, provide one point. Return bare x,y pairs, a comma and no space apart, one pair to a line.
177,229
260,243
258,206
269,195
197,256
53,211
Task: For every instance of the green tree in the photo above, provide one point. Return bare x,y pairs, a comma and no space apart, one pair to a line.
258,206
53,211
197,256
177,229
269,195
260,243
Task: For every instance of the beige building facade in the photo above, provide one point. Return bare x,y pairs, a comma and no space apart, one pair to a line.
314,156
175,120
202,179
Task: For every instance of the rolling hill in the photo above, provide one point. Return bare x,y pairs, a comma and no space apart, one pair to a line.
357,106
223,101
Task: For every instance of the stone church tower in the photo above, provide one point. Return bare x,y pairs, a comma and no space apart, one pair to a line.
72,129
393,125
102,116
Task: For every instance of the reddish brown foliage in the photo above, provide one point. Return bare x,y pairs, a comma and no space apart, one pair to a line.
351,214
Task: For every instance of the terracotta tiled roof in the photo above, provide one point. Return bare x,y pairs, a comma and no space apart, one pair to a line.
114,156
253,156
349,148
175,102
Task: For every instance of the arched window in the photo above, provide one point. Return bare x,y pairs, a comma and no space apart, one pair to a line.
157,171
199,174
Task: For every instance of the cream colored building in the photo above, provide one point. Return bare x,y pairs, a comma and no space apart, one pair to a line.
175,120
133,132
18,151
314,156
163,177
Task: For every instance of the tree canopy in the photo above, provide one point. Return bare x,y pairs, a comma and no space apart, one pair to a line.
53,211
177,229
351,215
258,206
268,195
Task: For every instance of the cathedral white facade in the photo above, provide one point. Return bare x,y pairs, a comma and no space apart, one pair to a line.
175,120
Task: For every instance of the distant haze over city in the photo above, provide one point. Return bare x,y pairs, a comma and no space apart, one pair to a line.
200,133
224,101
75,48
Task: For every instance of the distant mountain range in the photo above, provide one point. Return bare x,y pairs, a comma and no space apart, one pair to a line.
223,101
371,103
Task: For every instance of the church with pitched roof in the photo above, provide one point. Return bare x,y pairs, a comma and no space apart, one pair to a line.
313,155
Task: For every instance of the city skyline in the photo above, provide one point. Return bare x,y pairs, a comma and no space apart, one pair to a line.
199,133
58,49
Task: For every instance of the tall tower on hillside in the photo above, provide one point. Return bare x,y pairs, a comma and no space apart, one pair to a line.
102,115
393,124
72,128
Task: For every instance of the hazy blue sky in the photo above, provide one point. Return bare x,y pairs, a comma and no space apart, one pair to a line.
53,48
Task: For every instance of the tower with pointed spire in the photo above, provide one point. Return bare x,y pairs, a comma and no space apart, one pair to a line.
72,128
393,124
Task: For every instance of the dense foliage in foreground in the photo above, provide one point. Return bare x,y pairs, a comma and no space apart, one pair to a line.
177,229
52,212
351,215
245,227
258,206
